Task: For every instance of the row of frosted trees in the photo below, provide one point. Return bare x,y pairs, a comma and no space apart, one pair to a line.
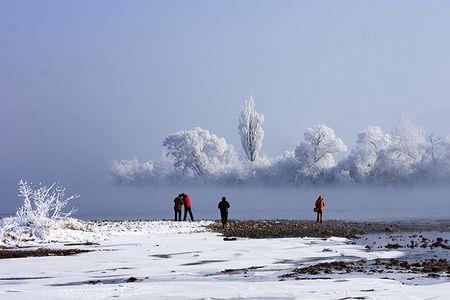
403,156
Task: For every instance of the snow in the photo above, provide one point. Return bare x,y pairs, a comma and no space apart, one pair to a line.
148,227
77,231
179,260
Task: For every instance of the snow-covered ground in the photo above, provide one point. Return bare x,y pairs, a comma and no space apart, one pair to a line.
181,261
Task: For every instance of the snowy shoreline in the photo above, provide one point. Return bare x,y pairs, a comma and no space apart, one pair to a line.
95,231
183,260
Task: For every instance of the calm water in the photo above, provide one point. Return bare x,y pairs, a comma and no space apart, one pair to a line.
106,201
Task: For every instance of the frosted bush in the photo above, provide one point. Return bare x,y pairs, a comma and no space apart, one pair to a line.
43,217
43,205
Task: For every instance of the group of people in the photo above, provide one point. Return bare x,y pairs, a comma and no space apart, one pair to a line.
183,200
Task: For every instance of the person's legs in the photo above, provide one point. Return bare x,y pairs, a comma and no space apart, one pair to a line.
175,214
318,216
185,213
321,215
191,215
224,216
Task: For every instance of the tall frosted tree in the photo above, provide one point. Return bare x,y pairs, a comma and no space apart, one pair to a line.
251,129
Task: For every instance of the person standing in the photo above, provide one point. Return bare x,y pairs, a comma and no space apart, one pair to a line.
320,206
187,207
224,206
177,203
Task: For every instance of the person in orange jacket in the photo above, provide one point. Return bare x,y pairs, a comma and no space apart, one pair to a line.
187,207
319,208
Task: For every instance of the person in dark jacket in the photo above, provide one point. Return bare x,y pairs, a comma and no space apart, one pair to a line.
224,206
177,203
187,207
319,208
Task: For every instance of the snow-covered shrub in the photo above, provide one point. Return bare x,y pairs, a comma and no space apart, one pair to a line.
43,204
251,129
317,153
43,217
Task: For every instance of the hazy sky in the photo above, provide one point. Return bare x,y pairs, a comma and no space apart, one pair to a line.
83,82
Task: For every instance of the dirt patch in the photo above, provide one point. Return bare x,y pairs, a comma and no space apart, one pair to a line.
24,278
302,228
203,262
131,279
170,255
434,268
5,254
238,271
286,228
82,244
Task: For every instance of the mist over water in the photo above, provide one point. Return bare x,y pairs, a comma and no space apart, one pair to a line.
108,201
113,82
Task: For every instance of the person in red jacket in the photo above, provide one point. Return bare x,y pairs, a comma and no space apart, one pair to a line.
187,207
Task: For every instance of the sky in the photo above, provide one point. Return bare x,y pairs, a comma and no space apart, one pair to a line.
84,82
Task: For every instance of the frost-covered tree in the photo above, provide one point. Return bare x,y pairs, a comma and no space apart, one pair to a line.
198,153
436,157
131,171
251,129
317,152
370,142
408,139
403,160
135,172
405,155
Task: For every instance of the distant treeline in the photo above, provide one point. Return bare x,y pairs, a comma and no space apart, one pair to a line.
405,155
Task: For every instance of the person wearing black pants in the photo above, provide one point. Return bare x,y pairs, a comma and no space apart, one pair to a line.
223,207
177,203
177,213
187,207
